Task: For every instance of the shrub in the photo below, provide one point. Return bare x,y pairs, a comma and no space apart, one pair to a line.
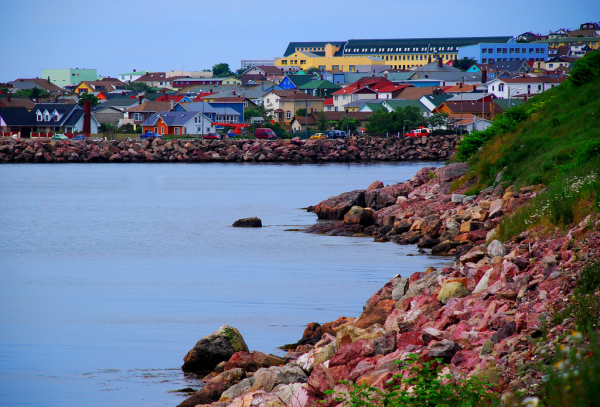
586,68
429,388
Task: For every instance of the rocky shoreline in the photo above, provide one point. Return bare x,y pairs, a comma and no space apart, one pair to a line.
355,149
482,315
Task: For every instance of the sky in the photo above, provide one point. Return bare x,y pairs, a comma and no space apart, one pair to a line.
119,36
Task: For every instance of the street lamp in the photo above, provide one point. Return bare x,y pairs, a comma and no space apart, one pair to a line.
509,94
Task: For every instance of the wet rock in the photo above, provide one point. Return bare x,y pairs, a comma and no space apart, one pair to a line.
252,361
336,207
427,242
247,223
213,349
358,215
267,379
209,393
444,248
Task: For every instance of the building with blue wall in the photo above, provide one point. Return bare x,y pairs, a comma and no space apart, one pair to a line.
498,52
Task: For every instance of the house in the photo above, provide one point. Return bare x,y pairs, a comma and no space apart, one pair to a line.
357,106
98,86
45,119
586,30
460,88
176,98
131,76
528,37
177,123
592,42
107,114
469,122
328,105
372,106
488,109
472,97
293,81
431,102
10,101
416,92
504,52
184,82
369,87
512,67
237,103
64,78
269,72
505,88
446,74
156,80
270,100
217,114
289,104
320,88
44,84
142,111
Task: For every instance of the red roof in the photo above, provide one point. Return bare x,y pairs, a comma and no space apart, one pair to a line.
201,95
328,102
376,84
168,98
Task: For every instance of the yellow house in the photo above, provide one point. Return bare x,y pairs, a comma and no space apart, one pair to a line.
231,81
592,42
99,86
290,103
329,62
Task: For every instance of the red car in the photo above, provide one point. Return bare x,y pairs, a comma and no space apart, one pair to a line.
265,134
212,136
420,132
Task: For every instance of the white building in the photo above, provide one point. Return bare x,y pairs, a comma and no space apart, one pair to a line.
505,88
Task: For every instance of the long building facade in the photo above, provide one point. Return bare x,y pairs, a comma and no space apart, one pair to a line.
396,53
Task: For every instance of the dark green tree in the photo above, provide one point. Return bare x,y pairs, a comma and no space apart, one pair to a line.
33,93
259,111
585,69
438,120
301,112
220,70
87,97
322,122
464,64
139,87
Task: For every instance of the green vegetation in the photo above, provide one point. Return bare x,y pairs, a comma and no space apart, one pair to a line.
464,64
33,93
301,112
586,69
399,120
88,97
139,87
221,70
430,388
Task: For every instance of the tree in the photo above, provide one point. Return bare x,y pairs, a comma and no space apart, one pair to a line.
139,87
259,111
438,120
312,70
345,123
220,70
301,112
322,122
382,121
464,64
585,69
33,93
87,97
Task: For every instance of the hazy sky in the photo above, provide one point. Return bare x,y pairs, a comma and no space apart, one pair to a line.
119,36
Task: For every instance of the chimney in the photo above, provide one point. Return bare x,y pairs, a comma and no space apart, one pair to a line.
440,61
234,92
210,91
460,85
429,59
55,99
140,99
123,93
87,118
134,70
484,76
9,95
294,91
172,104
385,76
523,74
492,109
321,76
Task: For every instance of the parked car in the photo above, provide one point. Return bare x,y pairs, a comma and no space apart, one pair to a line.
149,133
265,134
318,136
212,136
59,137
334,134
79,137
420,132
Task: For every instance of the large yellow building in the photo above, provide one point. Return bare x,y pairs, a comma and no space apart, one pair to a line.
362,54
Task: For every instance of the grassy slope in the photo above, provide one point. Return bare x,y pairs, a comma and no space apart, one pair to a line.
549,139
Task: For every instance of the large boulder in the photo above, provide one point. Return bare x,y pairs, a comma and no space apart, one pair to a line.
451,171
358,215
452,289
336,207
496,249
214,349
209,393
444,349
252,361
267,379
248,223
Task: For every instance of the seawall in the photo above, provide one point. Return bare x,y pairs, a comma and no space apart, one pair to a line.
362,149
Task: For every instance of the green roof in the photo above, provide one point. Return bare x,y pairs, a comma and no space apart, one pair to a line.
372,107
299,80
438,99
320,84
395,104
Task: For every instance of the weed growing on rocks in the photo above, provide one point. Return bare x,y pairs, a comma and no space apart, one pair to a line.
422,384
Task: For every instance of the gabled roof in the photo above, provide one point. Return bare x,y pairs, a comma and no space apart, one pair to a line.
38,83
173,118
232,99
319,84
291,48
205,107
374,106
464,88
511,66
476,107
270,70
468,97
154,77
16,102
299,80
151,107
18,116
416,92
120,103
168,98
395,104
435,67
433,101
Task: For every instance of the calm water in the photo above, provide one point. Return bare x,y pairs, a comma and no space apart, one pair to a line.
110,273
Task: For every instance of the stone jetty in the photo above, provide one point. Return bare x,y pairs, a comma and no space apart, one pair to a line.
296,150
482,315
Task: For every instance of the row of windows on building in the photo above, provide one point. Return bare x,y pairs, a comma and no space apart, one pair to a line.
512,50
403,49
492,60
413,57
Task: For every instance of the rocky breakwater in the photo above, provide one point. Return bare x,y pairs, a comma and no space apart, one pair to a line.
482,315
295,150
420,211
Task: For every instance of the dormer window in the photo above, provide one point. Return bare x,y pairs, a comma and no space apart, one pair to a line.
47,117
39,117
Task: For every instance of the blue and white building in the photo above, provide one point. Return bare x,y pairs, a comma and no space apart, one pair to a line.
497,52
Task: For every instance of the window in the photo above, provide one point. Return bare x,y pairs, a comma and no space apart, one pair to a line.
336,108
490,50
512,51
539,87
517,50
492,88
288,115
343,97
47,117
335,97
302,62
281,104
531,50
352,68
335,67
551,65
355,97
501,87
307,104
162,130
484,60
177,130
39,117
498,50
298,103
155,130
484,50
137,116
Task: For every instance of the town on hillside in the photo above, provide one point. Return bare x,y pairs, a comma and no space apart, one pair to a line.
455,85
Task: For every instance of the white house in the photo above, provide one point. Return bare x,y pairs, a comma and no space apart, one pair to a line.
179,123
131,76
502,88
